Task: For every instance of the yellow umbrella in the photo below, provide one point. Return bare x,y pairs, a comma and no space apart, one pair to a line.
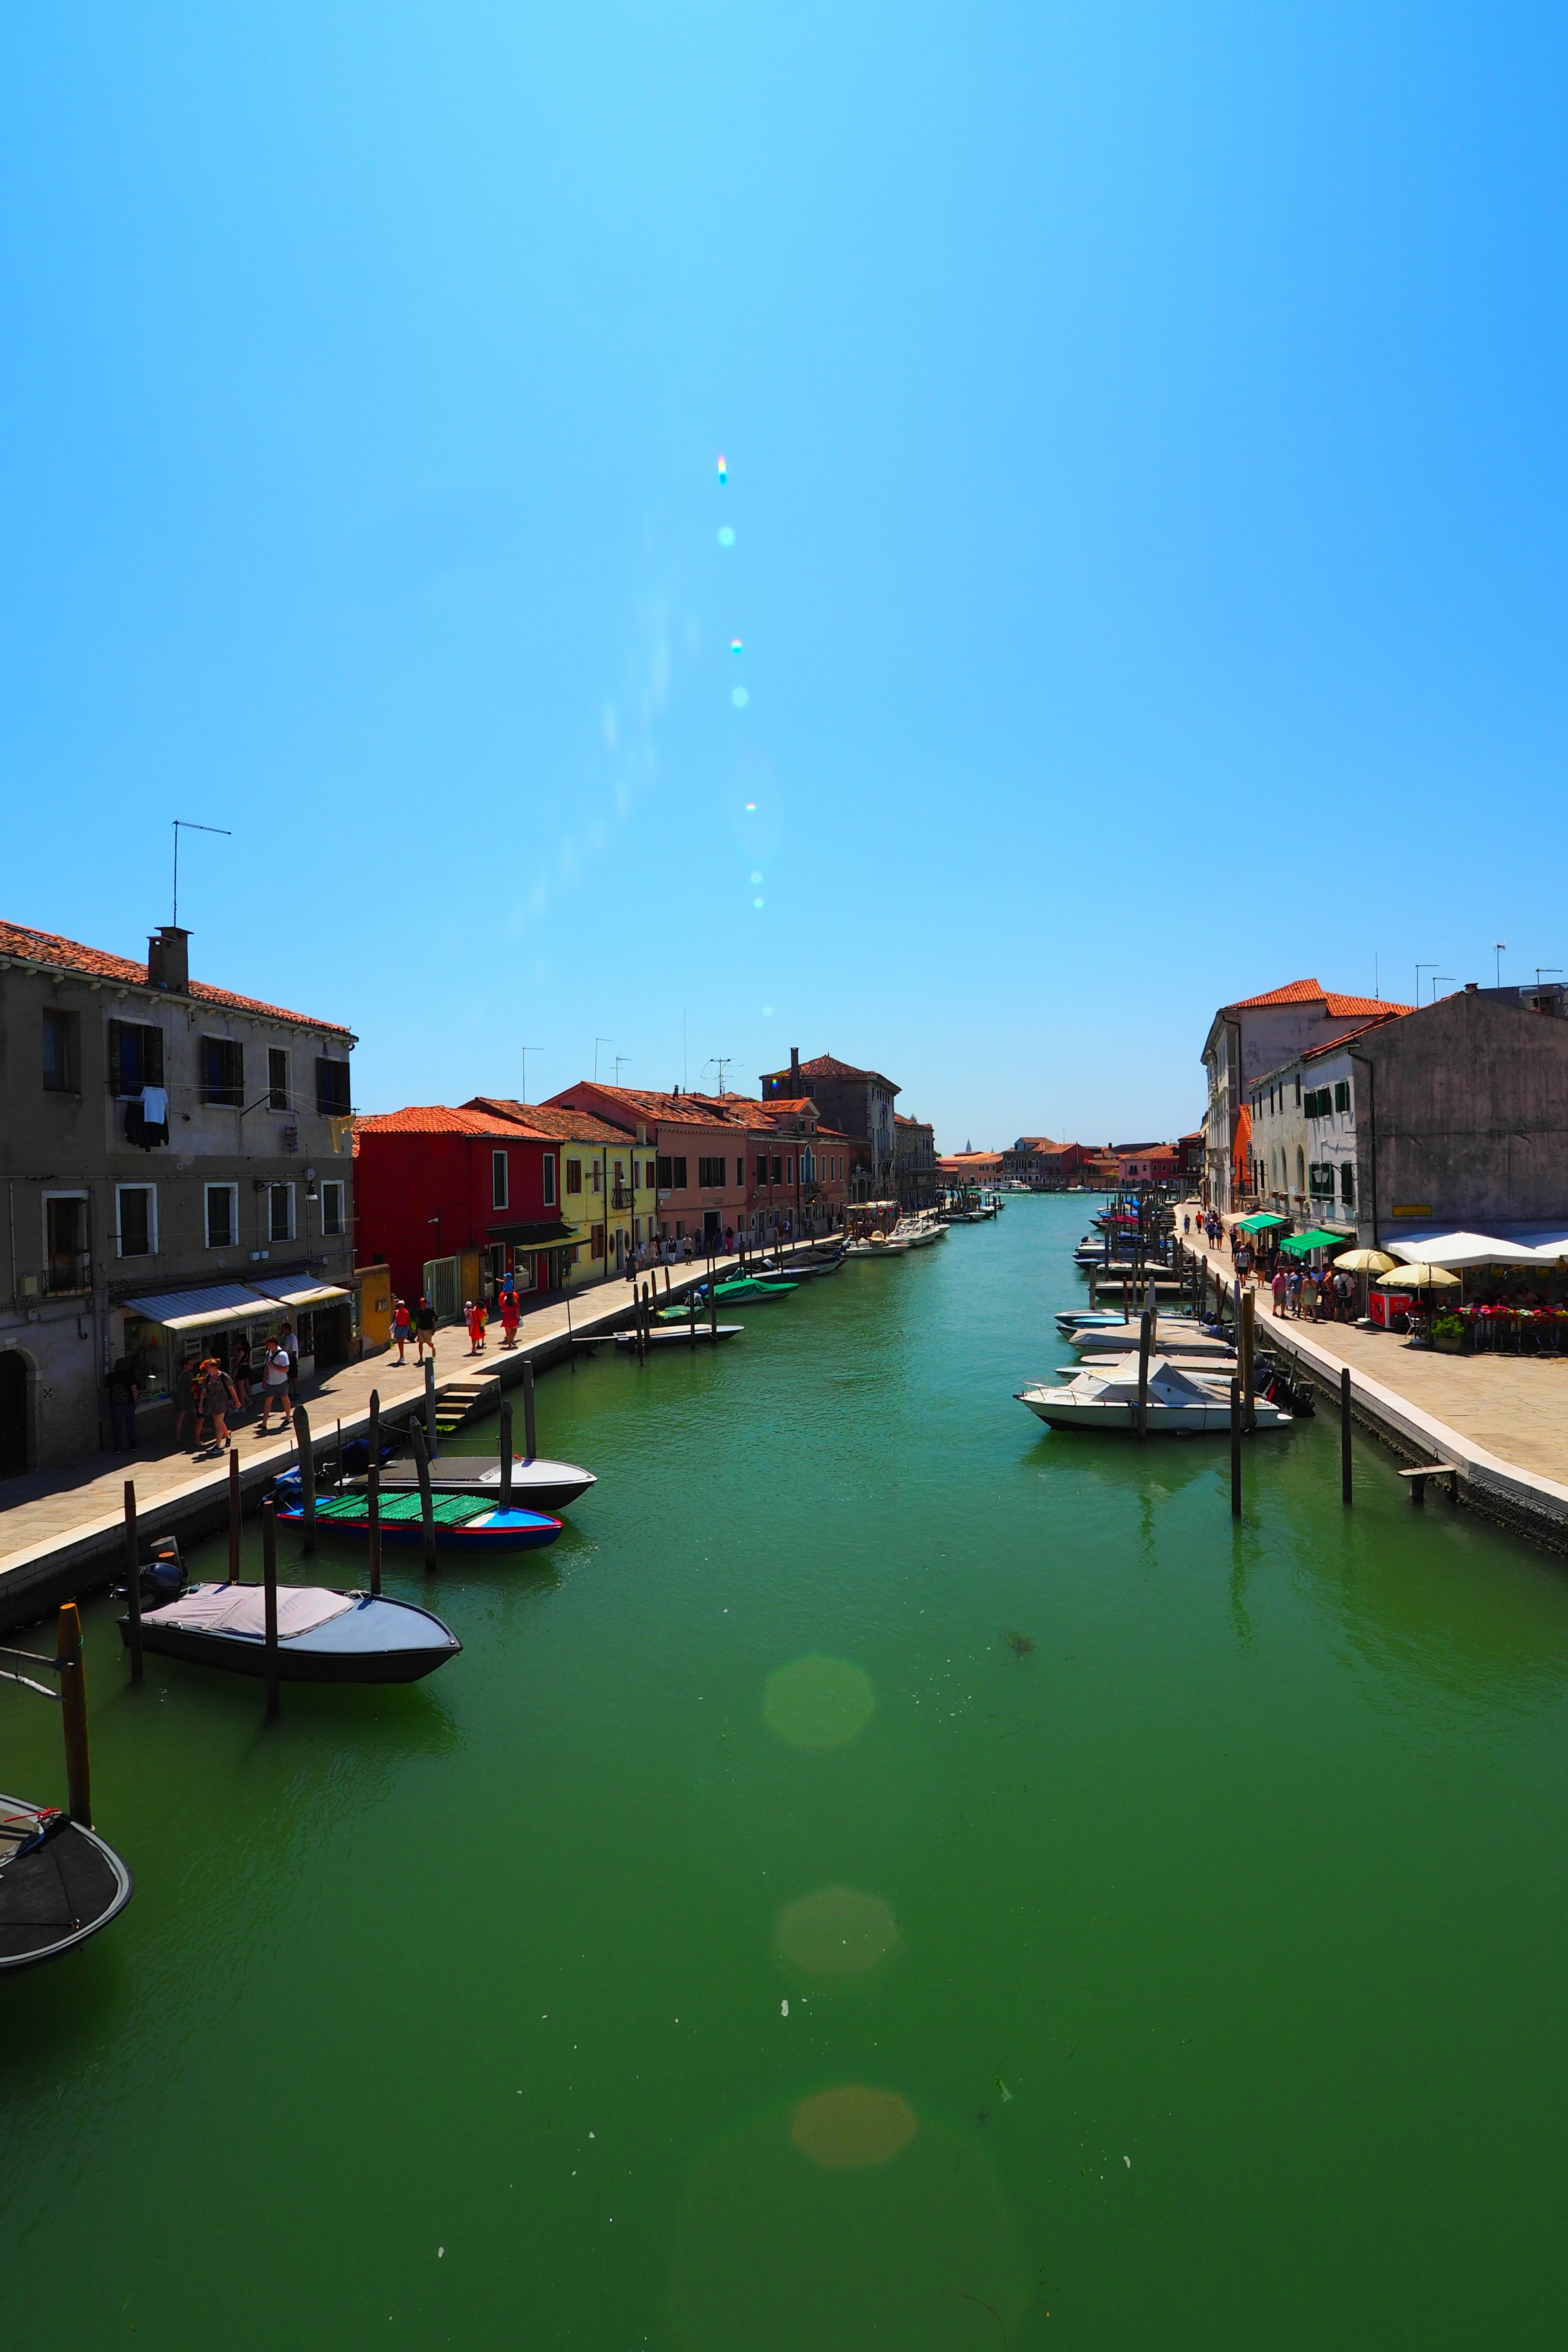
1419,1277
1366,1262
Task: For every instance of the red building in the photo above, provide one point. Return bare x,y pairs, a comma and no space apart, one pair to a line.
453,1198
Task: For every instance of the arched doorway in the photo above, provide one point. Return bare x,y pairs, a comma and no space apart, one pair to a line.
13,1412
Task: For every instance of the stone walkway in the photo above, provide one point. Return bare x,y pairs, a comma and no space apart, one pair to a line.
1503,1417
56,1524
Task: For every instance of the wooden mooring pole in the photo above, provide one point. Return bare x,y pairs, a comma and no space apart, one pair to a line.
269,1601
1246,1301
427,1501
132,1581
431,1434
506,1453
1345,1492
530,1431
234,1515
305,1445
1236,1449
372,1493
73,1707
1143,1375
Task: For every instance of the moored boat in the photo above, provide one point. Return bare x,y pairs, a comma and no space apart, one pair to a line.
323,1636
1181,1401
59,1883
537,1484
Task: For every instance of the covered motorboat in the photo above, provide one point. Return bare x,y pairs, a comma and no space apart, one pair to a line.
59,1883
323,1636
537,1484
1182,1402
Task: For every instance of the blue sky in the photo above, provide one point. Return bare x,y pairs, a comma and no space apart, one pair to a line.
1146,475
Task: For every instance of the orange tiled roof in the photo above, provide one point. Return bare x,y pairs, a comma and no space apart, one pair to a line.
551,1122
1312,992
435,1119
828,1065
69,955
647,1102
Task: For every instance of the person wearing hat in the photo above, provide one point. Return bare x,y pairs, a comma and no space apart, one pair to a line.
474,1316
275,1386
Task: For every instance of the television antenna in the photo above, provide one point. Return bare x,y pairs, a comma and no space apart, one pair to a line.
184,825
1419,970
1498,947
598,1042
527,1050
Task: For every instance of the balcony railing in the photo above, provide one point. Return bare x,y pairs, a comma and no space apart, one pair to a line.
69,1271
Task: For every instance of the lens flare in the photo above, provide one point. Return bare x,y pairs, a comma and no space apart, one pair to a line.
726,536
723,471
740,698
736,646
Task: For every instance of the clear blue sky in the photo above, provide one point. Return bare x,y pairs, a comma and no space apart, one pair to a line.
1145,429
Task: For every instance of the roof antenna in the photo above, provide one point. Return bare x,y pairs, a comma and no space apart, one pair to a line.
184,825
526,1052
720,1060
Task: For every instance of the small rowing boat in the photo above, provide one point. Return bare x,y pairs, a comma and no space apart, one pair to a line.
464,1521
59,1883
537,1484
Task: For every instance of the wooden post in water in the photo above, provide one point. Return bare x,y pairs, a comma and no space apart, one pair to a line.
506,1457
431,1434
1346,1493
1144,1336
714,1303
1236,1449
1151,1302
372,1493
337,1472
530,1431
305,1445
1093,1279
132,1581
270,1600
234,1515
692,1316
427,1501
73,1707
1246,1299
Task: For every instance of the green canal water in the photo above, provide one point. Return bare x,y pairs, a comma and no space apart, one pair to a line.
747,1946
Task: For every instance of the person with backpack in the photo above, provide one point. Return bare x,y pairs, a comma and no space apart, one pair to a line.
275,1386
216,1401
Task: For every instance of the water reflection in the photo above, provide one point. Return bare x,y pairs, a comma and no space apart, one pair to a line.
852,2125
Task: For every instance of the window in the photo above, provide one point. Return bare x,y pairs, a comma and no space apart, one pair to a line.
222,1214
1321,1179
739,1175
1341,1093
789,1167
223,1074
680,1171
593,1171
279,1213
651,1178
497,1180
761,1171
778,1168
596,1241
1298,1094
547,1167
574,1175
665,1172
135,1058
61,1061
331,1210
710,1173
1347,1182
332,1089
66,1241
136,1216
276,1079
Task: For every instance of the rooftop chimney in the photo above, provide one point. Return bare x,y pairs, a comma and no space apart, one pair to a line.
794,1072
169,959
1472,987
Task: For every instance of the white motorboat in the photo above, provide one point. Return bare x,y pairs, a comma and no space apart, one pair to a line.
1084,1319
1182,1402
919,1231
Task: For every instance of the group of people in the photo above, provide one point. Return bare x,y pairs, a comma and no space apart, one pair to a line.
1328,1297
208,1396
419,1327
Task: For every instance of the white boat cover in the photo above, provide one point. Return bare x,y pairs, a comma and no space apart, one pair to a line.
1117,1384
239,1608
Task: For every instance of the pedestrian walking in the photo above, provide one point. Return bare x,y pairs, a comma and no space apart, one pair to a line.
241,1372
1293,1284
217,1399
123,1389
275,1387
291,1339
1280,1287
400,1326
511,1314
474,1316
424,1329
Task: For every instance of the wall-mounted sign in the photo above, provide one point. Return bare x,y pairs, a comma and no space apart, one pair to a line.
1411,1209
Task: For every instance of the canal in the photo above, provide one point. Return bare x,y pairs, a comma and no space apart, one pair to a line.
890,1876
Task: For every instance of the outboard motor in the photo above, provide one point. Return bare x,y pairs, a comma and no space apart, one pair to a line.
162,1574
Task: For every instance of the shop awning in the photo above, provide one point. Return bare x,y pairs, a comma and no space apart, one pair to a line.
532,1236
1303,1244
1260,1224
297,1290
210,1309
1455,1250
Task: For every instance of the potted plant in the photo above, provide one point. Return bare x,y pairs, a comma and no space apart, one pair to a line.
1448,1334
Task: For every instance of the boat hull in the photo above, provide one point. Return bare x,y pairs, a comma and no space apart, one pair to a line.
536,1486
1059,1409
55,1898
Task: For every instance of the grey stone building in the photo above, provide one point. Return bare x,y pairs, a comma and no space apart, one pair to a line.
1461,1116
914,1162
857,1102
178,1177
